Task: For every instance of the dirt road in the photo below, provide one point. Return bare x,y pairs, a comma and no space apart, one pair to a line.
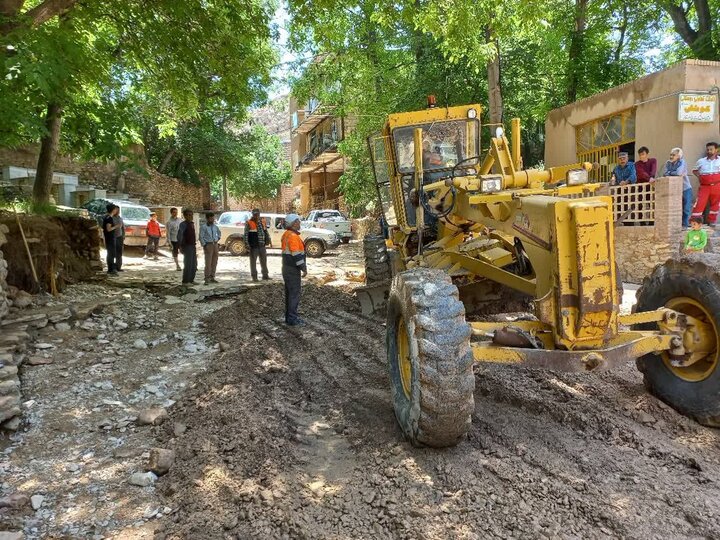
289,432
291,435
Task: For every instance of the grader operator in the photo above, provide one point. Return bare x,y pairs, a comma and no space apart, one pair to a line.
473,234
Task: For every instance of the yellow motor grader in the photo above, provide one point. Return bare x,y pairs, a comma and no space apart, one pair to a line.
469,234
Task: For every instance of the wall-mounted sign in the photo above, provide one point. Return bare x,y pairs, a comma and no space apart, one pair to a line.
697,107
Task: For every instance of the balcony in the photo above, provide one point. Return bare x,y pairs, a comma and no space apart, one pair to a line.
304,121
322,152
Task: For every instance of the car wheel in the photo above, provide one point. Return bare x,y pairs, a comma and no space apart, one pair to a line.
314,248
346,240
237,247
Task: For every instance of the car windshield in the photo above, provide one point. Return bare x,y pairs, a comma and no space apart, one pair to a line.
228,218
444,145
137,213
328,215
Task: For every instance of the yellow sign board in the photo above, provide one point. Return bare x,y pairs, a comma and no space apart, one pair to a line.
697,107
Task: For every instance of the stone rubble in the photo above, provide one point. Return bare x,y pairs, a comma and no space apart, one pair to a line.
92,405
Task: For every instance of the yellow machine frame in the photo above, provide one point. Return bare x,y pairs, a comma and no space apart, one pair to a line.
566,233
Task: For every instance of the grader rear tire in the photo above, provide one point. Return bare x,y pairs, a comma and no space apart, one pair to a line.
691,285
429,357
377,261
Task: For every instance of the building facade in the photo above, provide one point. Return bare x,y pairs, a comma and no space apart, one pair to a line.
316,163
676,107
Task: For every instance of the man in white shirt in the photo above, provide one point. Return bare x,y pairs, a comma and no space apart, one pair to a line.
172,227
707,170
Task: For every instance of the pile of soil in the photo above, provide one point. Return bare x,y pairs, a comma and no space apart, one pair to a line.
291,434
64,249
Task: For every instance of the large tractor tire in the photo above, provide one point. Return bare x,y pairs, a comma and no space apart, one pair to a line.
429,357
377,261
690,285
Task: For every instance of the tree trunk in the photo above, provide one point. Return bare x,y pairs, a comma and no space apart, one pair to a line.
166,160
622,33
48,151
36,16
700,40
224,194
495,100
576,50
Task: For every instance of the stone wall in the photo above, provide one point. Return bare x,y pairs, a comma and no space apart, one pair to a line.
9,381
3,274
150,186
281,204
639,249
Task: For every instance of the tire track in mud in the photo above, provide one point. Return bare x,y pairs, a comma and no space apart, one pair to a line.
310,448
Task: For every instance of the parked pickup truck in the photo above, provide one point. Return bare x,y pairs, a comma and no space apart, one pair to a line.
331,220
317,241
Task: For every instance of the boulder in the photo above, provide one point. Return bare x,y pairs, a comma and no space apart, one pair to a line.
152,417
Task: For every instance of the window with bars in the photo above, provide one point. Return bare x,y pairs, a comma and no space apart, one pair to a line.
600,140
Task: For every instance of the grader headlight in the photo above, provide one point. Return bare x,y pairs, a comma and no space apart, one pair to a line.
491,185
576,177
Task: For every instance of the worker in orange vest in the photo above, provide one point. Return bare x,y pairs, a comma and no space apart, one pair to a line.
293,267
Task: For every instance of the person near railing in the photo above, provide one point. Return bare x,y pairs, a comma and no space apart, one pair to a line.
645,166
624,172
675,166
707,170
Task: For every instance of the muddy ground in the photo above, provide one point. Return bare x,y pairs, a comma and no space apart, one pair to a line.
289,433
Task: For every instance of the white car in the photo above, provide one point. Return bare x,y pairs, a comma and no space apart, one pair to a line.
332,220
317,241
135,217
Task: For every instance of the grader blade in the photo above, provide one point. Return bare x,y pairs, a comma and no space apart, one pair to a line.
373,298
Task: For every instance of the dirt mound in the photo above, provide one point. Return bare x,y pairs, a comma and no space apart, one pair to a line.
291,434
65,249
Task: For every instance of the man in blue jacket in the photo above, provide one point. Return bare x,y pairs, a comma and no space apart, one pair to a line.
624,172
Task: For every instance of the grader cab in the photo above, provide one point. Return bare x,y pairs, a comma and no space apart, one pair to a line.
470,234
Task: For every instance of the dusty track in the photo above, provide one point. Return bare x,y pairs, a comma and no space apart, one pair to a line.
291,434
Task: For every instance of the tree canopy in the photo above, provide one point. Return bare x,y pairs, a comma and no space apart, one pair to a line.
517,58
123,72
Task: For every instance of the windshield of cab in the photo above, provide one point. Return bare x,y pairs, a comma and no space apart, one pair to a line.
445,144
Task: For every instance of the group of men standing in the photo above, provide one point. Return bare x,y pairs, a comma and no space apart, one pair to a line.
256,237
707,171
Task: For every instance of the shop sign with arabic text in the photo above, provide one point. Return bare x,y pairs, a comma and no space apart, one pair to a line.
697,107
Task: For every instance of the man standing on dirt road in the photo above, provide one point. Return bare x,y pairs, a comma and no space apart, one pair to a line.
153,237
119,239
109,227
187,241
209,239
256,239
172,227
293,267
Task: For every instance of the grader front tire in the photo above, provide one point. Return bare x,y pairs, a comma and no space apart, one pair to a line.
690,285
429,357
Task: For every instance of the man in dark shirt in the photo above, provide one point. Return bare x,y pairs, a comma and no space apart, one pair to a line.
187,240
645,166
119,240
256,239
109,226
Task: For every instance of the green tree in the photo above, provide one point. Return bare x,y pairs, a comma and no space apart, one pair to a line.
373,57
97,61
696,23
265,166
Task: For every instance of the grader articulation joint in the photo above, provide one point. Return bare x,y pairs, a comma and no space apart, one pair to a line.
471,234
